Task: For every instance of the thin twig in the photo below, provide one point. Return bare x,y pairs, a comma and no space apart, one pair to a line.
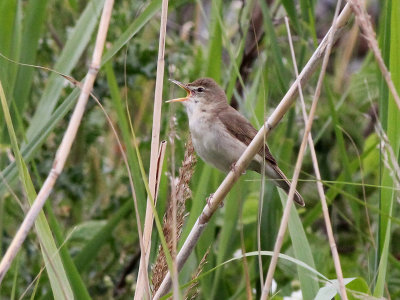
364,22
390,160
37,277
155,140
246,272
132,186
250,151
320,187
289,203
180,192
175,282
371,236
65,146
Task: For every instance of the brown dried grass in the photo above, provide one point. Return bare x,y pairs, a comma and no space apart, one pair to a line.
182,193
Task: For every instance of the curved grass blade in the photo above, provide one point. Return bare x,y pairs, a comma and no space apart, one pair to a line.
59,282
302,251
69,57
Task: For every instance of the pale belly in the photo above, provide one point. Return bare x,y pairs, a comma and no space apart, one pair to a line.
216,146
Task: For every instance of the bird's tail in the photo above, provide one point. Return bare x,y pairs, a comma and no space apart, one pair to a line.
284,184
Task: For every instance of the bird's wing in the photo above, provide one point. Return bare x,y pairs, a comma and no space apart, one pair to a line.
239,127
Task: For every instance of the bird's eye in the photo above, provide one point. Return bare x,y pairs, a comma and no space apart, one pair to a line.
200,89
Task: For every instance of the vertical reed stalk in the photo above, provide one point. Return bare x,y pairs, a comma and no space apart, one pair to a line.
65,146
251,150
289,203
320,187
155,141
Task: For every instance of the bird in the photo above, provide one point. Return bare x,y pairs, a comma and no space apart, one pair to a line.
220,134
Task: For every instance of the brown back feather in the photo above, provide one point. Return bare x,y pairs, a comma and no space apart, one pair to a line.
239,127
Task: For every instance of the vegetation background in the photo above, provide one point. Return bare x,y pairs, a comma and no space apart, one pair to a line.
243,45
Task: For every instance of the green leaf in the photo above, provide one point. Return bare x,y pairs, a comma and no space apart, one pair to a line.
356,287
331,289
215,43
87,230
132,30
387,196
68,59
89,252
302,250
52,120
8,18
290,7
33,25
10,172
275,51
55,269
225,241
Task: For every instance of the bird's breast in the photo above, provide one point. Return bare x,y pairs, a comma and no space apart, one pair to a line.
213,143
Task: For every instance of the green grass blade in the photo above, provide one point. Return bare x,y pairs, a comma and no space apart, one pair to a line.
275,51
204,186
59,282
126,135
133,29
16,273
92,247
384,41
307,8
33,26
77,283
15,47
382,269
214,63
312,271
10,173
36,140
225,241
331,290
290,7
313,214
302,251
73,49
393,133
199,194
8,18
343,156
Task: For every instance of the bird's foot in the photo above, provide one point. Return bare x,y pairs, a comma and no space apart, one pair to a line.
233,168
210,198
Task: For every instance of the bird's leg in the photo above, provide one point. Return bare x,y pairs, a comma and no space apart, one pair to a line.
233,168
210,198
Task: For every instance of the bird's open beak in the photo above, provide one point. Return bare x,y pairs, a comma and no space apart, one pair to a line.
182,85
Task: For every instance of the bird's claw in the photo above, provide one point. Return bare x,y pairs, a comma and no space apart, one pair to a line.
210,198
233,168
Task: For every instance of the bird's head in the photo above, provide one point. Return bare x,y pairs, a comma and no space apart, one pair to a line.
203,92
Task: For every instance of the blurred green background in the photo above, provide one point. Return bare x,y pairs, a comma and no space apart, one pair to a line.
243,45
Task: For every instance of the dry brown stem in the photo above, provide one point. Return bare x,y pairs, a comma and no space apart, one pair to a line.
65,146
300,156
320,187
182,193
251,150
192,291
155,140
364,21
